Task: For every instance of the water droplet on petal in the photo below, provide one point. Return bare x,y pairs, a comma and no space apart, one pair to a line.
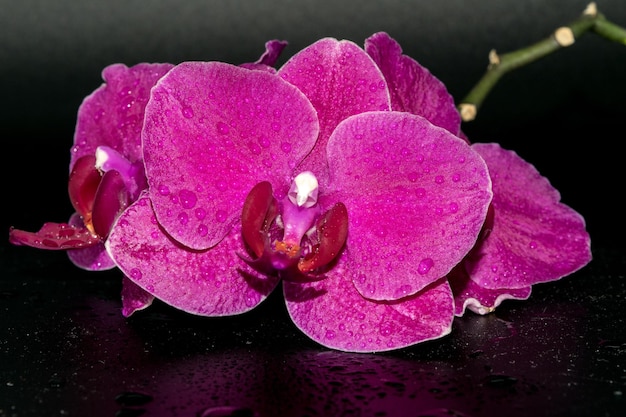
454,207
220,216
532,245
200,213
285,147
183,218
425,265
330,334
187,112
264,141
222,128
413,176
439,179
385,329
403,291
188,199
456,177
135,274
252,298
163,190
203,230
221,185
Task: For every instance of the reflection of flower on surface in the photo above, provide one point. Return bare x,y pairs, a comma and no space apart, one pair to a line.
377,137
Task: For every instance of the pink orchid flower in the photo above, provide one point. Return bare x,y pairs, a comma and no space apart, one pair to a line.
309,177
529,236
106,171
106,167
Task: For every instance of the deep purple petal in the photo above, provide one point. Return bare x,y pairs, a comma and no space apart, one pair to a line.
214,282
340,80
113,114
212,132
417,197
134,298
82,185
266,62
111,199
413,88
334,314
534,237
468,294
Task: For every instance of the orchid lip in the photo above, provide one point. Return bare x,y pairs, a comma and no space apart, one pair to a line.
292,238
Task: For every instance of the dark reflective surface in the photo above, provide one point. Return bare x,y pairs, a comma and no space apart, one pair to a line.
66,350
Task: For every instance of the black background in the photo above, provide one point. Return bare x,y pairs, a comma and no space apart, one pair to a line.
563,113
65,347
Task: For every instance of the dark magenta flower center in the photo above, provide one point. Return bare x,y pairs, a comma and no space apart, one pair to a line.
292,237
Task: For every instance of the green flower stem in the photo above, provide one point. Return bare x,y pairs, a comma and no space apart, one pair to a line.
590,20
609,30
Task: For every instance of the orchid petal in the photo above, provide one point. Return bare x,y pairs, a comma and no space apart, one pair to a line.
340,80
334,314
332,230
113,114
91,258
468,294
266,62
83,184
259,210
212,132
111,199
416,195
134,298
215,282
413,88
534,237
54,236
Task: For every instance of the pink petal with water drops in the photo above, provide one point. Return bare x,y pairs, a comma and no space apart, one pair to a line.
340,80
534,237
212,132
413,88
113,114
417,197
468,294
333,313
214,282
134,298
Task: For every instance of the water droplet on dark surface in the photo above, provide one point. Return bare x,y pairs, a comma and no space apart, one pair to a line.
228,411
130,412
500,381
133,398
